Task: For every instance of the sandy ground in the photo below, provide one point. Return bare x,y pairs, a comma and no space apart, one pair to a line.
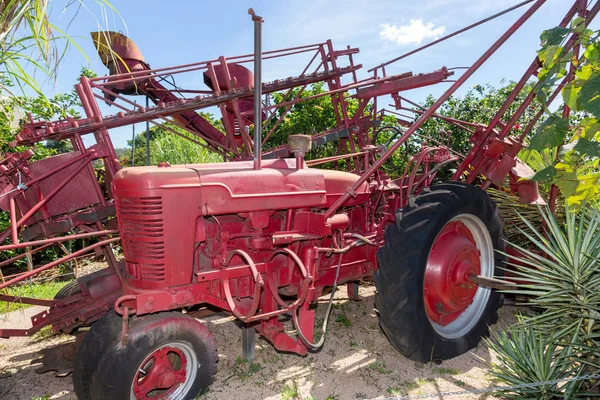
357,362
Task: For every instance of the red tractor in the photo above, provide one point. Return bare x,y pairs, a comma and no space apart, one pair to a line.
263,236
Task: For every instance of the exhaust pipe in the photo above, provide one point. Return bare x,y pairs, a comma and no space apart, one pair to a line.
257,88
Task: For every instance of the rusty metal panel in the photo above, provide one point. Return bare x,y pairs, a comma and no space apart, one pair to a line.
79,193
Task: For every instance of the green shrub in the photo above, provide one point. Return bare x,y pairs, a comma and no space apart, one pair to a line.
561,276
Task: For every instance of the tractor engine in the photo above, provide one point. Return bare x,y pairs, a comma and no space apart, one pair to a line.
239,238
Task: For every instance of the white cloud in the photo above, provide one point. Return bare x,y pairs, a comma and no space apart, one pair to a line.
415,32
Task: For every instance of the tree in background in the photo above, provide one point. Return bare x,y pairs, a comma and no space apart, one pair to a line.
318,115
308,117
165,146
478,105
60,106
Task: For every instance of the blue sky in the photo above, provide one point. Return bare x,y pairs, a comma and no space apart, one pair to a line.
177,32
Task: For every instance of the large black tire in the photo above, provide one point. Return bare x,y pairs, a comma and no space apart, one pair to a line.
91,351
118,365
403,260
70,289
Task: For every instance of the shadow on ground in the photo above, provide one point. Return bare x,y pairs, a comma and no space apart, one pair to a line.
357,362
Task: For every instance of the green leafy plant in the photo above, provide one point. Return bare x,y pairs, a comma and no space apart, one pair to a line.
165,146
45,290
514,214
402,389
380,366
30,40
561,276
244,369
290,391
573,136
527,356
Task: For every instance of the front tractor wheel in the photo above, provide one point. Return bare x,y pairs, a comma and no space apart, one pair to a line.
428,307
168,356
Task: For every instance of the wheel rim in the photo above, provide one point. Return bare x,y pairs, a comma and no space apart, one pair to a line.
453,304
167,373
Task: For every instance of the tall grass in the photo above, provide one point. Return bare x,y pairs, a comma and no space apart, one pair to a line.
29,41
38,290
177,150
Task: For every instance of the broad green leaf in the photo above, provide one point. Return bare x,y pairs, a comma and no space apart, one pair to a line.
548,54
592,106
592,52
567,182
584,73
554,36
590,90
551,133
570,94
578,24
544,175
589,127
588,147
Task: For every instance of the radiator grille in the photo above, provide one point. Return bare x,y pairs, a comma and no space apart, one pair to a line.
142,235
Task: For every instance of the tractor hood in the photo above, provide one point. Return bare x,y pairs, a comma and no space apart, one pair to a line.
234,187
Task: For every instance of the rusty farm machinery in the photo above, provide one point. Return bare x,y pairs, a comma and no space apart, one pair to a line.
265,232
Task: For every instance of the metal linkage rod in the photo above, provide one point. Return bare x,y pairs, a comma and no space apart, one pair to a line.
458,32
427,114
31,273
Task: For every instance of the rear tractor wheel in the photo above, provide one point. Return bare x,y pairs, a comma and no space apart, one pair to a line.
428,307
168,356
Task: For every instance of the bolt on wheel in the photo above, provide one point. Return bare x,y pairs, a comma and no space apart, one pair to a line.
453,303
429,307
168,356
167,373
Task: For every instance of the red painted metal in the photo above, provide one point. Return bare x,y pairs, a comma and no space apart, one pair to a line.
447,289
160,374
234,236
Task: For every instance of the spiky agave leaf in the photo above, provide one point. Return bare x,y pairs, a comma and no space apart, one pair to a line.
526,355
560,272
513,211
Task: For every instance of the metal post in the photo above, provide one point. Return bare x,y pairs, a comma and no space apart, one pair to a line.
257,87
133,143
248,342
147,137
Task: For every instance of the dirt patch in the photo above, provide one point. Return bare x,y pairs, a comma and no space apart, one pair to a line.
357,362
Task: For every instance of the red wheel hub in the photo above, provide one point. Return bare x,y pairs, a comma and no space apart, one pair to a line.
453,257
161,374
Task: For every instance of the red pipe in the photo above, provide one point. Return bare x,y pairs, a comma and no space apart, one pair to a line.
20,256
13,221
31,273
56,240
53,192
